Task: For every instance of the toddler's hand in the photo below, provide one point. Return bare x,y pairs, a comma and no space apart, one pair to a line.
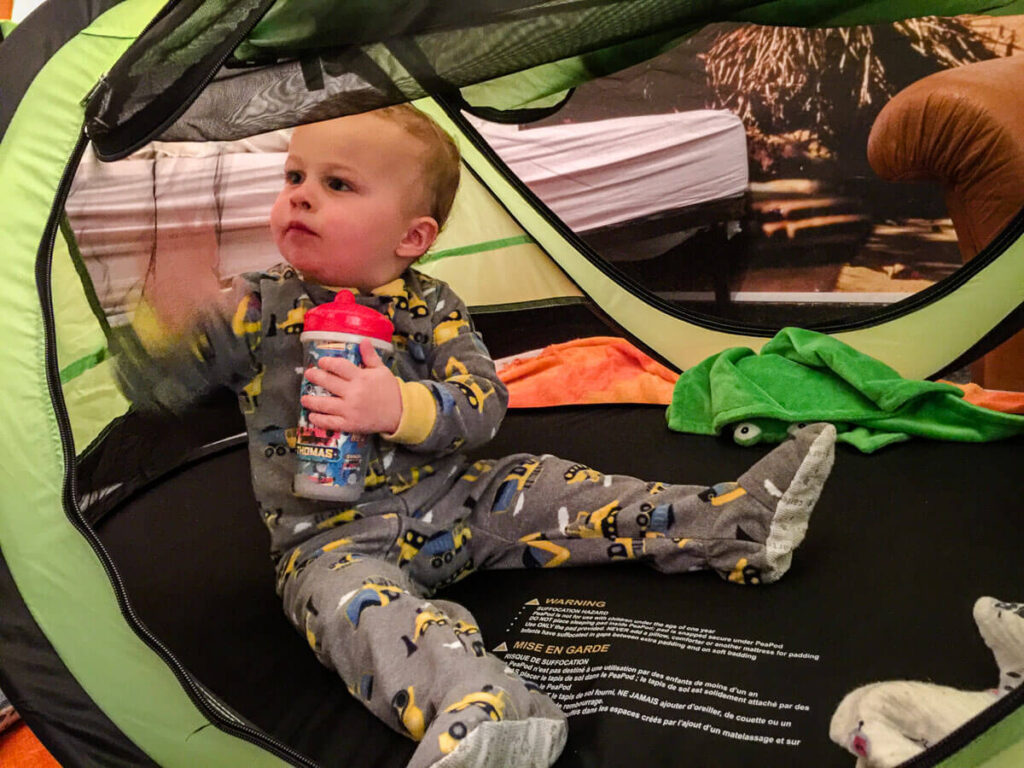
182,285
366,400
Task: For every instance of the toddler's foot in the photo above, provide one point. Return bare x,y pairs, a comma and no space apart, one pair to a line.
763,517
532,743
511,725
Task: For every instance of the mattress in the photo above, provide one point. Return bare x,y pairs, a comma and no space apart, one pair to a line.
607,172
685,665
208,200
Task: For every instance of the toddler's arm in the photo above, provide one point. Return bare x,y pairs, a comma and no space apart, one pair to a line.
175,353
464,401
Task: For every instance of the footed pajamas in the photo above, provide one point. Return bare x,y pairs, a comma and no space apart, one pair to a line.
356,578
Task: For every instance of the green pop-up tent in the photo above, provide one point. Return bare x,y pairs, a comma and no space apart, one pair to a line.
95,679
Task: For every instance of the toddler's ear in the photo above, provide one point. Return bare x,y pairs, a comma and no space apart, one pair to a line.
418,238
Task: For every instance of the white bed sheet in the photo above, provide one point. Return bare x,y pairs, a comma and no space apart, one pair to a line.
606,172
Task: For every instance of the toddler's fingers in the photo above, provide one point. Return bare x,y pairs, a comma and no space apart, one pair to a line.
331,422
328,380
321,404
339,366
370,357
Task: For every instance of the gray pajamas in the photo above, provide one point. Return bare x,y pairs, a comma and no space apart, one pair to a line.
356,579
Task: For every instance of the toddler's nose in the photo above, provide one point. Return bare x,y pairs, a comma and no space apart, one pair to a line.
300,199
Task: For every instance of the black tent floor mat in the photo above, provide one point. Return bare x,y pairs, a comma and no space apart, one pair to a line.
900,546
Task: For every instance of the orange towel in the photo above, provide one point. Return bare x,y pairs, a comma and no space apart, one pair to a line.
598,369
993,399
19,748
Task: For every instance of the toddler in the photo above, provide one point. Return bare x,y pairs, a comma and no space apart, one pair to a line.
363,198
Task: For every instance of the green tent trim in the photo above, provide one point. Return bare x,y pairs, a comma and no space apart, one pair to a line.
60,391
123,673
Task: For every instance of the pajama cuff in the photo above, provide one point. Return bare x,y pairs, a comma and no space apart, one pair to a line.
151,331
419,413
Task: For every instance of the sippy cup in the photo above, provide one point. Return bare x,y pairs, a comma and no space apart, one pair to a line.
332,464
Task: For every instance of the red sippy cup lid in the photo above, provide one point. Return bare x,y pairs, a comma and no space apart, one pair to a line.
343,315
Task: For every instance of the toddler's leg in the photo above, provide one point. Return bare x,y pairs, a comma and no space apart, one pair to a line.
545,511
420,665
781,491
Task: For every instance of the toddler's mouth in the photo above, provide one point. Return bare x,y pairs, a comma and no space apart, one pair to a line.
296,226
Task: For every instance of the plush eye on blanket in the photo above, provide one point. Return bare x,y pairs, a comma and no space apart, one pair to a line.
885,724
754,431
757,431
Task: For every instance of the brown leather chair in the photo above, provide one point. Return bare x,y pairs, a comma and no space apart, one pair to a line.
964,128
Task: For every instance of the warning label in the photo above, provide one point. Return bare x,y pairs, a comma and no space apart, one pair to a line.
573,649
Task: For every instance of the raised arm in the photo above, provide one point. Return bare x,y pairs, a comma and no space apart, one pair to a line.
174,353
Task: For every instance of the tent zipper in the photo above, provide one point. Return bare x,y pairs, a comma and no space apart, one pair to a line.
1013,231
204,701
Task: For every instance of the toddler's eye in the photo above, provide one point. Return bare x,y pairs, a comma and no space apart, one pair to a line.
338,185
292,177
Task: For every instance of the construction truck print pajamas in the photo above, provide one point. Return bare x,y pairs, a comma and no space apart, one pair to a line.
356,579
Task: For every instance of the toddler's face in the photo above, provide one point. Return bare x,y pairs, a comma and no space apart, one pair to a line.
351,189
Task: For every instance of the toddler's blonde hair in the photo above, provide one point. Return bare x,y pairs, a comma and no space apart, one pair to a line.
441,160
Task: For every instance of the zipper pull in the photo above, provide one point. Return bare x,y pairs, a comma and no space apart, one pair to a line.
101,85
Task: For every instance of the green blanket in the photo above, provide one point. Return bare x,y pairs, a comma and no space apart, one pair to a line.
802,376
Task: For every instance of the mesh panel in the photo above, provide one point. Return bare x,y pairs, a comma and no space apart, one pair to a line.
761,211
291,27
246,102
438,46
170,64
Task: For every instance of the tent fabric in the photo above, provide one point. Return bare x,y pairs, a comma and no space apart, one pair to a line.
86,370
803,376
117,694
60,711
113,677
52,27
427,50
